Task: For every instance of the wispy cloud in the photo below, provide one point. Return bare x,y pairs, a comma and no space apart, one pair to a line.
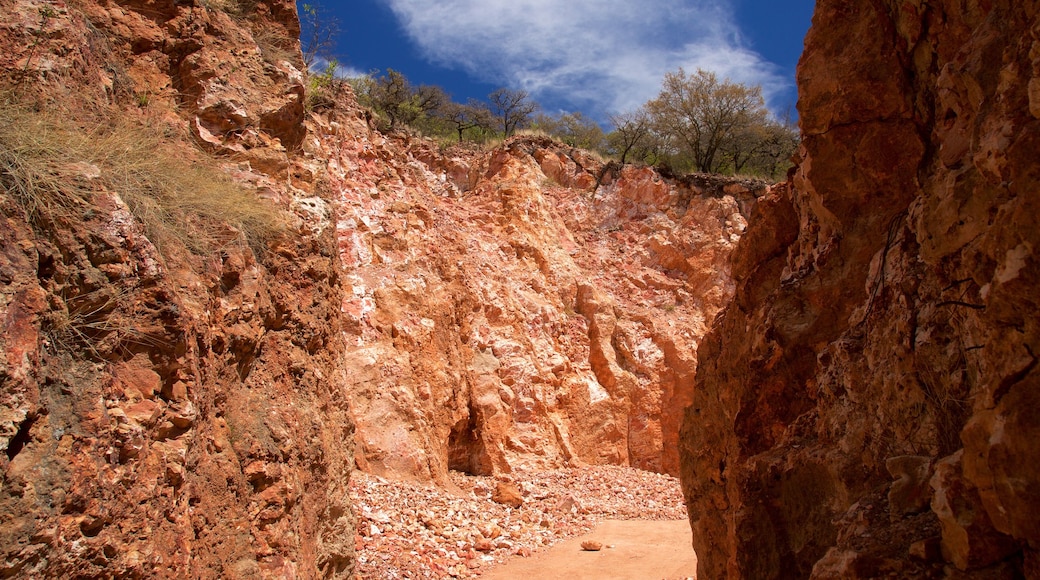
321,65
596,55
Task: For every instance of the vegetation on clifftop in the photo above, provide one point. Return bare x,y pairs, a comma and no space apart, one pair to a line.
696,123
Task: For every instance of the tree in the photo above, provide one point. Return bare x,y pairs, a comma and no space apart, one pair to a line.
573,129
780,141
323,89
318,32
364,86
513,108
390,95
744,144
462,118
396,98
426,99
698,116
632,133
762,148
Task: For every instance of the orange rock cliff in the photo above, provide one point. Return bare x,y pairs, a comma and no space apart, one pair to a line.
195,404
867,405
165,411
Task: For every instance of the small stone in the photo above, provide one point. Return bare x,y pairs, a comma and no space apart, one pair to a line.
46,536
144,412
507,494
910,492
165,430
567,504
178,391
591,546
185,417
138,378
174,474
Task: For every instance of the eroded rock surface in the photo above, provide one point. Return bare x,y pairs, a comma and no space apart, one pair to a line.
885,308
166,413
502,313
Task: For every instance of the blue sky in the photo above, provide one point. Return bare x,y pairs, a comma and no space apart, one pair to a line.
592,56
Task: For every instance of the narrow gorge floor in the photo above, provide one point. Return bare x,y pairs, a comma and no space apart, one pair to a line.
629,550
409,530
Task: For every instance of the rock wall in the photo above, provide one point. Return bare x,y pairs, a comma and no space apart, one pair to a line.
170,413
504,313
867,405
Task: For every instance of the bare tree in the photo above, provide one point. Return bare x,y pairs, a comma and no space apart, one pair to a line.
462,118
318,31
781,140
399,101
390,95
513,108
426,99
764,147
632,131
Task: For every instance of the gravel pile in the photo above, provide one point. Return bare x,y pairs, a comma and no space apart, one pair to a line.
407,530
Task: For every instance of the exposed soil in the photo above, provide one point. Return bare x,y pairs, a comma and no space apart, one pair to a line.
415,531
630,550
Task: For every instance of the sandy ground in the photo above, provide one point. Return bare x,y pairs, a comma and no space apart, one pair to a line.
424,532
633,549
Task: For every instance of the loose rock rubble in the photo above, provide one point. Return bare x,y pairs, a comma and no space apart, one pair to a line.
407,530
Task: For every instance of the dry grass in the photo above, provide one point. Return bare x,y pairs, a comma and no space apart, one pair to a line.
529,132
53,167
273,47
85,321
235,8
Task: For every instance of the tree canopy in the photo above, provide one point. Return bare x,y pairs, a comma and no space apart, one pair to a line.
513,108
633,133
697,122
704,123
574,129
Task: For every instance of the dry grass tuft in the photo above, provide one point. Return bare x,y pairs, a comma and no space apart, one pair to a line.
53,167
273,47
234,8
533,132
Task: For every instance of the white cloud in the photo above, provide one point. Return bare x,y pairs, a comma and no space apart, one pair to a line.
596,55
321,65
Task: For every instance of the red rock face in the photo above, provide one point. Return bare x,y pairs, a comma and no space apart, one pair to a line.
884,309
165,414
502,315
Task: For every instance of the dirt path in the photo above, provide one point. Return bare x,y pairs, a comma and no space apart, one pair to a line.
642,550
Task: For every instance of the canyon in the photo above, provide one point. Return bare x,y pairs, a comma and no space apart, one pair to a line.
840,368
